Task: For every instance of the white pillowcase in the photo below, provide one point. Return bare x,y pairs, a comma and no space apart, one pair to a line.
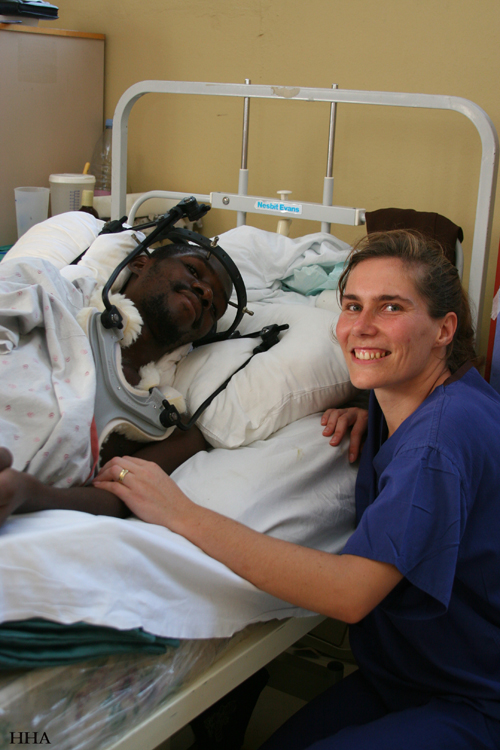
64,237
265,258
304,373
60,239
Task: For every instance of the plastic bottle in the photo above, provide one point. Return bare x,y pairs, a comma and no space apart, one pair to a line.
88,203
100,164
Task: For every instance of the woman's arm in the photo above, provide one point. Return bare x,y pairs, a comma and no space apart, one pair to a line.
346,587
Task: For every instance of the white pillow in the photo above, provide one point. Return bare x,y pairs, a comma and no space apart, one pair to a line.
64,237
60,239
304,373
265,258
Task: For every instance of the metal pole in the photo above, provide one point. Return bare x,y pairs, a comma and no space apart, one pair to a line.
328,181
246,119
241,217
331,135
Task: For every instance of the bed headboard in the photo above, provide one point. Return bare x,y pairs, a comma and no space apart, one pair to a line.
326,213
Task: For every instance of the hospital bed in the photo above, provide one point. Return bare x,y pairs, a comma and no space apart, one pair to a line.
123,702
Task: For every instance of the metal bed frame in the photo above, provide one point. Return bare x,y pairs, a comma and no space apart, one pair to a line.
326,213
270,639
263,644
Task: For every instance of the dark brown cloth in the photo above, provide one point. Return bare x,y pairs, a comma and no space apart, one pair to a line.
430,224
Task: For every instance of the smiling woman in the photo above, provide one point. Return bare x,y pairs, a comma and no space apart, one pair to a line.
432,277
421,570
390,341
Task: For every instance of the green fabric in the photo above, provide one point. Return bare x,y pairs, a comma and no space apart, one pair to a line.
313,279
29,644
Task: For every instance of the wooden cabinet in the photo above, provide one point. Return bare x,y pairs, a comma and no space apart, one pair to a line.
51,100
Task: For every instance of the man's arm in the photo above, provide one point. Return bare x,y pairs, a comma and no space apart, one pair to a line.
346,587
23,493
168,454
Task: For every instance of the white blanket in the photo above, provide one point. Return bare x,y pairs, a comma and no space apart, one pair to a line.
68,566
48,376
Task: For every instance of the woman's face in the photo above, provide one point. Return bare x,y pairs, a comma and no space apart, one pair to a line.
387,336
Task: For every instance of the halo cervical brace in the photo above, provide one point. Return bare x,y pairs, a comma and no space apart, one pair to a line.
116,401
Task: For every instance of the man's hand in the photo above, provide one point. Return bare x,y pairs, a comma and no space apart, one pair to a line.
13,486
338,421
21,492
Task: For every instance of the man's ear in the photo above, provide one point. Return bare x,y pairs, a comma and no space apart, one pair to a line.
139,264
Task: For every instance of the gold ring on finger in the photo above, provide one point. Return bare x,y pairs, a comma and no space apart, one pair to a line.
123,473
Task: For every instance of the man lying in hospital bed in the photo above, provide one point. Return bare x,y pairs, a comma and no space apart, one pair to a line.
171,298
270,467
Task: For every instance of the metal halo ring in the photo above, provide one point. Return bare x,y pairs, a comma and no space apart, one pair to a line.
123,473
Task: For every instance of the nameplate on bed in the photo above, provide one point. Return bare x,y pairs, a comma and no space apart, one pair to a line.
255,204
281,206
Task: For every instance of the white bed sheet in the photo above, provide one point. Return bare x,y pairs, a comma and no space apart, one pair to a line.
69,567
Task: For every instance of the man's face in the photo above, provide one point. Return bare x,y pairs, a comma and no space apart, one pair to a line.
180,298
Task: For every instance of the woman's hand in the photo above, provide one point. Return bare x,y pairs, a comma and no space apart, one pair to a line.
345,587
338,421
146,490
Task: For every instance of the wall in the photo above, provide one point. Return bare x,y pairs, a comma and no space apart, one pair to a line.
37,90
384,156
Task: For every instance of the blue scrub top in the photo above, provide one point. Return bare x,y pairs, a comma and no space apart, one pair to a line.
428,502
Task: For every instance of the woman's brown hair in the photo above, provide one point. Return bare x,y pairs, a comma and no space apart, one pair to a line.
435,278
